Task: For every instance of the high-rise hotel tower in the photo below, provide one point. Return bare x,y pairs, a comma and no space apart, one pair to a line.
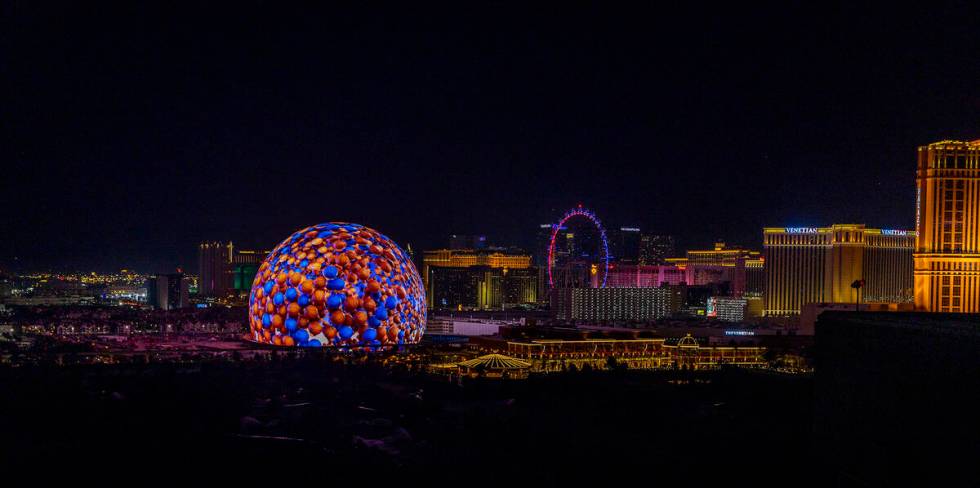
213,258
947,218
819,264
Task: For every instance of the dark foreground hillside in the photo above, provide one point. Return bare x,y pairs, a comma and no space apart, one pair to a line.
327,420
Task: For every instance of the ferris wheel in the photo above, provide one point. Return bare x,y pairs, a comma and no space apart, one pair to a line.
580,212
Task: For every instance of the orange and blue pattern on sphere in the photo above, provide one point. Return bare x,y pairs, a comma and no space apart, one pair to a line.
340,285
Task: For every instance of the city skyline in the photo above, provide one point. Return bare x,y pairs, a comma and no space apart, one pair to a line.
525,242
143,139
490,241
192,263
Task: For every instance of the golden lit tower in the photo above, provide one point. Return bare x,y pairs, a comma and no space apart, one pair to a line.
947,218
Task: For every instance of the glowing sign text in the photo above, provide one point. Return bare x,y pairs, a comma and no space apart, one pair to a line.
739,333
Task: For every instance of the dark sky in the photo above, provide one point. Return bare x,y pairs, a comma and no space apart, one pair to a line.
135,132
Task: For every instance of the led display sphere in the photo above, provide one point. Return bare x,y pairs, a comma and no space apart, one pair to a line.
337,285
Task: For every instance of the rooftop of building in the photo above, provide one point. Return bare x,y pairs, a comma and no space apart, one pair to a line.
495,361
952,143
507,251
721,251
214,244
837,227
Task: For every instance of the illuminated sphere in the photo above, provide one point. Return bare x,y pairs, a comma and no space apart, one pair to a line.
337,285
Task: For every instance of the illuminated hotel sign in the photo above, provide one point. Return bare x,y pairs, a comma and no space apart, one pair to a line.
739,333
801,230
629,229
893,232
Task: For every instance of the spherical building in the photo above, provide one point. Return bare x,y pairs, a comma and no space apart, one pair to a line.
337,285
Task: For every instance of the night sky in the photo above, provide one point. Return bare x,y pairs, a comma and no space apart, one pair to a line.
135,132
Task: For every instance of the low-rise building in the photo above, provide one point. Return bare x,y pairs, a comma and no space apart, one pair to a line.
604,304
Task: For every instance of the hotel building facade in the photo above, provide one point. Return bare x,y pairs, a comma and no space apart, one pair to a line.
224,270
742,268
947,218
478,279
213,259
819,264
